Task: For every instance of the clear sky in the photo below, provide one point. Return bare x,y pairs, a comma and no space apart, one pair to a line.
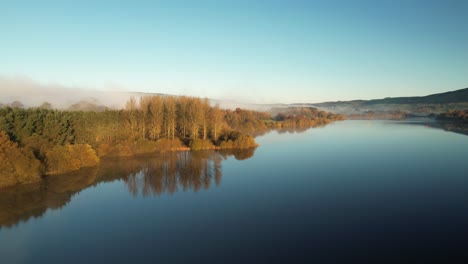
256,51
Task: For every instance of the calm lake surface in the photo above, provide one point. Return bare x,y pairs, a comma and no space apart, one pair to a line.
368,190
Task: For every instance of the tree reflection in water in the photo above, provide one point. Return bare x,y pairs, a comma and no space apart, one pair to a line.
185,170
149,175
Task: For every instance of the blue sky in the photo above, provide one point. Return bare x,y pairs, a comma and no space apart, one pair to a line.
254,51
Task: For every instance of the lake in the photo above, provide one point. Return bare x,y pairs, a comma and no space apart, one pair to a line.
352,190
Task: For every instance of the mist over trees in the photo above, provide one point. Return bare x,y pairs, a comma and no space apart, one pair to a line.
44,141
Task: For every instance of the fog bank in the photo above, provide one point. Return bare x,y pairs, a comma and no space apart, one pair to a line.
32,94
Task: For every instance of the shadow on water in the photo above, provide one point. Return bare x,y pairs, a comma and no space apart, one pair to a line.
148,175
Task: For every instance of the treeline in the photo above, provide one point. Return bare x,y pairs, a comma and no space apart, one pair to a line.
42,141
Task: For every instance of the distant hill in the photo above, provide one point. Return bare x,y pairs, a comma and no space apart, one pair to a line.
417,105
458,96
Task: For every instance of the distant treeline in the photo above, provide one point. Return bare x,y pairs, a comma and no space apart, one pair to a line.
43,141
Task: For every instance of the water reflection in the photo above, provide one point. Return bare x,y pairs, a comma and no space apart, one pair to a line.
167,173
288,130
147,175
455,127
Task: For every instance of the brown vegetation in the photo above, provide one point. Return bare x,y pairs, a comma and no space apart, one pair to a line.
17,165
63,159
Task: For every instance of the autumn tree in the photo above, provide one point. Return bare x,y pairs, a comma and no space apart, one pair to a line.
63,159
170,115
194,112
204,116
17,165
156,111
216,117
131,114
183,115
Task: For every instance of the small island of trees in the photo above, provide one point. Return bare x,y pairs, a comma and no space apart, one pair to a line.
35,142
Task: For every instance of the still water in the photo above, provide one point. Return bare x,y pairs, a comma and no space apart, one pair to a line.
367,190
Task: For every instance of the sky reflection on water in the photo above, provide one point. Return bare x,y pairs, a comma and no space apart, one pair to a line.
368,190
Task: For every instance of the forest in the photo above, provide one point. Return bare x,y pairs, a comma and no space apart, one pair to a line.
36,142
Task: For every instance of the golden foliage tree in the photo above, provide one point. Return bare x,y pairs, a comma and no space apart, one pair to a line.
17,165
63,159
